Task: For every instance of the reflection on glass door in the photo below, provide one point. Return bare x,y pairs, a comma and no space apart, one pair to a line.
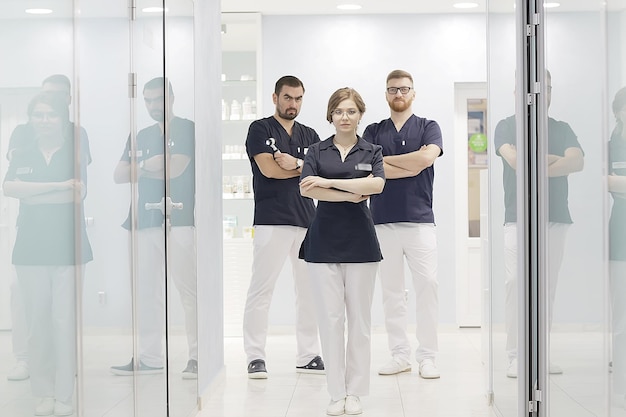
576,252
125,343
503,281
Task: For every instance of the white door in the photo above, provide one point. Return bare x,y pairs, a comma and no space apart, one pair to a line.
470,160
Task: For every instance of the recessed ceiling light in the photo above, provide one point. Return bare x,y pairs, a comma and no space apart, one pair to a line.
349,6
153,9
551,4
466,5
38,11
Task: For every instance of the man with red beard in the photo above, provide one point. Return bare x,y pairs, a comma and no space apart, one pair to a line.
405,225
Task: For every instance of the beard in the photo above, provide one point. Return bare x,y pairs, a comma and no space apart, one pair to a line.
400,105
157,115
288,114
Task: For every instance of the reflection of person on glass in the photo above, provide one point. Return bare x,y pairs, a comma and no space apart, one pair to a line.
49,251
23,136
341,248
617,242
150,223
405,224
565,156
276,146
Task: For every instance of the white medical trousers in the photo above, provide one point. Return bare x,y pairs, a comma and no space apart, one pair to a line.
617,271
49,299
342,290
417,243
19,326
150,300
557,233
271,247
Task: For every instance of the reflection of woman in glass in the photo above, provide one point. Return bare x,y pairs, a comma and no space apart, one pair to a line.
341,248
49,179
617,239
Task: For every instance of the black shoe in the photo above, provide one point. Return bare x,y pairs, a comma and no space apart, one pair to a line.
191,371
129,369
316,366
256,369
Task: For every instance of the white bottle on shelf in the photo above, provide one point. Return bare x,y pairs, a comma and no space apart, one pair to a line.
225,110
247,108
235,110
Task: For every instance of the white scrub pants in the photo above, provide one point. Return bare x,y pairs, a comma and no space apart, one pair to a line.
49,299
617,271
557,233
417,243
151,289
19,325
340,291
271,247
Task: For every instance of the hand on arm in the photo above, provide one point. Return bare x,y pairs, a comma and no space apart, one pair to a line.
412,163
45,192
353,190
318,188
617,185
271,169
288,162
508,152
571,161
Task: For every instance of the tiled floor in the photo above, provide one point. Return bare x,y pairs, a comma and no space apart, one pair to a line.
460,392
581,391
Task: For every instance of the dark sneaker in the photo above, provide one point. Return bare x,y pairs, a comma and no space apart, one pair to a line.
256,369
129,369
191,371
316,366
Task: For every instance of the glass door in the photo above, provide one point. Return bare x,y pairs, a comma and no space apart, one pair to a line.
86,113
578,106
503,271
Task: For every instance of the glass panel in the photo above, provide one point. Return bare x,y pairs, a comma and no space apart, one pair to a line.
576,251
181,332
501,40
616,162
43,235
104,111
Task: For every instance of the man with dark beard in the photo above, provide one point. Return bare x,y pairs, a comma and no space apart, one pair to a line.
150,154
276,146
405,225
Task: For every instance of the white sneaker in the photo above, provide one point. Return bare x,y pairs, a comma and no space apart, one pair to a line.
19,372
353,405
428,369
395,366
336,408
62,409
555,369
45,407
511,370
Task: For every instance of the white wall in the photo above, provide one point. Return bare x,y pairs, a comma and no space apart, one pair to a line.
330,52
358,51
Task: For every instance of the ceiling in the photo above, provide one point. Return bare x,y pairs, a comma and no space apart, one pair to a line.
299,7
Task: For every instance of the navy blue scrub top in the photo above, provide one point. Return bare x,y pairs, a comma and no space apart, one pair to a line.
46,233
405,199
278,201
617,222
342,232
150,142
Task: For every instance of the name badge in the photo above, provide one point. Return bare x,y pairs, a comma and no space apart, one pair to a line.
23,171
363,167
619,165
